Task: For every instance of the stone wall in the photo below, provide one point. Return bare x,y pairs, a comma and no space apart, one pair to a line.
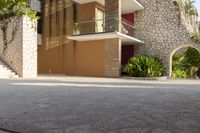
12,55
112,15
112,58
21,52
29,48
162,30
112,49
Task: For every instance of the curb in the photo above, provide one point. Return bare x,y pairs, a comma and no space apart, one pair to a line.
147,78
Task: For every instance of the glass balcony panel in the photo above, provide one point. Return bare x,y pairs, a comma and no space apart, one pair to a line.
35,5
97,26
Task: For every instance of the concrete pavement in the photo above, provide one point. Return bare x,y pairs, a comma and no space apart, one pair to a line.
89,105
122,80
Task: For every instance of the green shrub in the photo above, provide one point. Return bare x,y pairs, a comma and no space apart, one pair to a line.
145,66
178,73
193,57
198,73
179,61
10,8
186,65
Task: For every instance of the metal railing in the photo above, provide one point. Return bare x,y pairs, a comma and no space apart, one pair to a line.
36,5
97,26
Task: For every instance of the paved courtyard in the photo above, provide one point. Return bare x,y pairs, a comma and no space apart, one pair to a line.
70,106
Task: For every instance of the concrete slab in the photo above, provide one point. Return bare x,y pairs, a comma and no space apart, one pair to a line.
56,106
113,80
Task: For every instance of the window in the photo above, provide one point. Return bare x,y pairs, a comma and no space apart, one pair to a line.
100,20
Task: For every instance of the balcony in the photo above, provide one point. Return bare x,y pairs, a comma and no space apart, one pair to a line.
39,39
100,29
35,5
127,6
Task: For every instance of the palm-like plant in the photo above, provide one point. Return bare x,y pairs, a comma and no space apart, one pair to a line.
190,9
145,66
179,61
195,36
187,63
178,4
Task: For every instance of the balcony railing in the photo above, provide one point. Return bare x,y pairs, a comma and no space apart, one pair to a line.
35,5
97,26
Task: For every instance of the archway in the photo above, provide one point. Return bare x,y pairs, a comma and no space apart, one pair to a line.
182,63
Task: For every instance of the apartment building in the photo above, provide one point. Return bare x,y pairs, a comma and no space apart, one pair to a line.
96,37
87,37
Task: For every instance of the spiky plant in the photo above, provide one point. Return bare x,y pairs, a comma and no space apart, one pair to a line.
190,8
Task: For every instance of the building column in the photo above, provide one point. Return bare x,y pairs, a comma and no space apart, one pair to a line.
167,62
112,15
29,48
112,58
112,48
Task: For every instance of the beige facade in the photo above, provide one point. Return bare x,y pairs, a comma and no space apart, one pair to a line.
88,38
58,55
85,38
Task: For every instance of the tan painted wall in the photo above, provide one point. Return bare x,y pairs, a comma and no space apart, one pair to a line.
60,56
89,58
82,58
86,12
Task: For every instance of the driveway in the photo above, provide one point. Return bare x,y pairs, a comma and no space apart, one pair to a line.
58,106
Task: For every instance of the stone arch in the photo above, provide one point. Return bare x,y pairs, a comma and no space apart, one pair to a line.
164,32
195,46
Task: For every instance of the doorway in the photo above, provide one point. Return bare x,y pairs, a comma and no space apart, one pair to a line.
127,53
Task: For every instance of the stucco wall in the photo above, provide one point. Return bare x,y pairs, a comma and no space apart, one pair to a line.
80,58
21,51
162,30
69,57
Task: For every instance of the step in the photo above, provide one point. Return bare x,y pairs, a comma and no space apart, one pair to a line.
8,76
6,72
5,69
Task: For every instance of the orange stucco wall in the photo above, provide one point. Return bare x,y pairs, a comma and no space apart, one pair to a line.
86,12
81,58
89,58
69,57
